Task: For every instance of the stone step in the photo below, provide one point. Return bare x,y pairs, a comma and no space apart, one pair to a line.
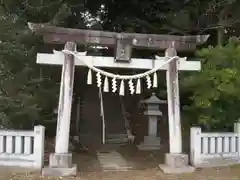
118,135
151,140
114,170
116,141
116,161
146,147
117,138
115,166
151,143
113,161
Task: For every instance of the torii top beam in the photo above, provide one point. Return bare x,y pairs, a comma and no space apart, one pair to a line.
60,35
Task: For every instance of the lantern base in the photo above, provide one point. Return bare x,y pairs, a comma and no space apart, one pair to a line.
150,143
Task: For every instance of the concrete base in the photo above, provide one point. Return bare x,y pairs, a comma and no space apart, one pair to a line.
60,165
171,170
176,163
150,143
60,160
54,171
176,160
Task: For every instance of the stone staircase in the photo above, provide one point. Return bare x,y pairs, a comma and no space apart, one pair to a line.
120,139
112,161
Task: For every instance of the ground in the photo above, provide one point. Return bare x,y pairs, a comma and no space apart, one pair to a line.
144,168
232,173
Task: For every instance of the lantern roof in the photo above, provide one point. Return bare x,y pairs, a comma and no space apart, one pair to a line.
154,100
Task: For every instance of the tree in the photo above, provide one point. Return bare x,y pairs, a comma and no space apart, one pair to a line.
217,17
215,99
23,82
22,85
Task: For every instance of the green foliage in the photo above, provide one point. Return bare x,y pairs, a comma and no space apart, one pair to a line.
21,85
29,92
216,89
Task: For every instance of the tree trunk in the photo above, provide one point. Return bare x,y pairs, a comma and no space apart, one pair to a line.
220,30
220,36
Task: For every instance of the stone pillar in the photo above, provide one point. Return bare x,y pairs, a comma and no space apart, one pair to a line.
152,141
175,161
60,162
237,130
152,125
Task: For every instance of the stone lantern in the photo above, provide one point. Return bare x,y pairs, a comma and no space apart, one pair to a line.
152,141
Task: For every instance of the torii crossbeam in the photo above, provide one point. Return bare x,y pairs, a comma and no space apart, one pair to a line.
108,62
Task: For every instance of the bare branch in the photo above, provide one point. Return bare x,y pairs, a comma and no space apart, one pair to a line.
222,25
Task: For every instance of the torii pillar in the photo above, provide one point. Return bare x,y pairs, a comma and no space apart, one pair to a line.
60,162
175,160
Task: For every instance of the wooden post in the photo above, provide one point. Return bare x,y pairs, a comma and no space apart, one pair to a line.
175,135
65,101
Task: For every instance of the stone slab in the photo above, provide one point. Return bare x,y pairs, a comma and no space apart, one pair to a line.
113,161
176,164
56,172
150,143
151,140
172,170
60,160
176,160
147,147
217,162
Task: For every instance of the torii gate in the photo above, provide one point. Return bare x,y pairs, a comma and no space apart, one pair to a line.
61,160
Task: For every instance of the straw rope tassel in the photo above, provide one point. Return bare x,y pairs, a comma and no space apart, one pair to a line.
121,90
149,82
106,85
131,86
114,85
138,88
89,77
99,80
155,80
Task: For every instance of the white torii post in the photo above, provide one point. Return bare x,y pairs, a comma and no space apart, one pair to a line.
60,162
65,102
58,58
174,120
175,160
